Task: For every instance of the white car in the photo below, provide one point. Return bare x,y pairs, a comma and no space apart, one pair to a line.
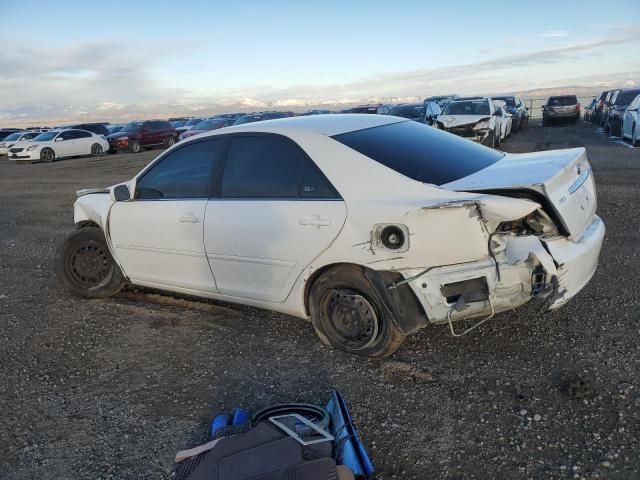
55,144
12,139
371,226
631,122
475,118
506,120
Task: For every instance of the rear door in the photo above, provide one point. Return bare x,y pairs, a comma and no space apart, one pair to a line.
83,143
273,214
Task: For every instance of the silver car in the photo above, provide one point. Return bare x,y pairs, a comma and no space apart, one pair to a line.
561,107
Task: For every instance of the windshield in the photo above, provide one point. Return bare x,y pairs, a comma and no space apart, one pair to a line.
247,119
131,127
206,125
192,122
467,107
408,111
625,98
46,136
420,152
13,136
116,129
563,101
510,101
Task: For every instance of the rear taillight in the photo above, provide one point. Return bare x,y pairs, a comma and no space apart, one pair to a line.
577,107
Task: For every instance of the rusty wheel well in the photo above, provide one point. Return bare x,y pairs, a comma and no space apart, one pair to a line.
87,223
402,301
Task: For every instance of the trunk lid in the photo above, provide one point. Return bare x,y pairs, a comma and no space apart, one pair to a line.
563,177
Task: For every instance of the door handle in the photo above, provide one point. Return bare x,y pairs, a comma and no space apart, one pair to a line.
189,219
315,220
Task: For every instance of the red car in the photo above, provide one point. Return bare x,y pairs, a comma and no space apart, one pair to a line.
138,135
205,126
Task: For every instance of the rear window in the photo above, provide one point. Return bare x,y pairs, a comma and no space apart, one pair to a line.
510,101
420,152
408,111
563,101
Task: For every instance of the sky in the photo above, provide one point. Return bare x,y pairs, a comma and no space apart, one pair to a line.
115,60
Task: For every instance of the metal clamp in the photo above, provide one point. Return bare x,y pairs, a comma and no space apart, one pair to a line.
464,332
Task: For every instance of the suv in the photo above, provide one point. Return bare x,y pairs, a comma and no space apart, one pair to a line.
99,128
601,100
561,107
615,111
5,132
519,112
376,109
138,135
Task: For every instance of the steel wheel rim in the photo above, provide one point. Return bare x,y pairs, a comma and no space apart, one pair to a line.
89,265
352,320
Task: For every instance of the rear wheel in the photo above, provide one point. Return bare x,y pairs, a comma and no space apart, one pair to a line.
96,149
134,146
634,136
498,137
85,267
515,127
47,155
348,313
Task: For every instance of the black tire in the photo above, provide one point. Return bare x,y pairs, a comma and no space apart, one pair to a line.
515,126
545,122
634,136
347,313
169,142
84,266
96,150
47,155
134,146
499,137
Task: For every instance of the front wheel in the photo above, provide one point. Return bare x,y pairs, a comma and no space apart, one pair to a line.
634,136
134,146
349,314
85,267
169,141
47,155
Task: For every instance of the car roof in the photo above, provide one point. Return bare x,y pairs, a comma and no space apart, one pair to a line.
330,124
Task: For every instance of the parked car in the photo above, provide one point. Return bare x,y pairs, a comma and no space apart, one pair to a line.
99,128
431,112
138,135
56,144
589,110
442,100
561,107
5,132
274,215
206,125
518,110
631,122
619,103
187,126
178,123
15,137
412,111
375,109
258,117
228,116
600,104
317,112
506,119
474,118
607,106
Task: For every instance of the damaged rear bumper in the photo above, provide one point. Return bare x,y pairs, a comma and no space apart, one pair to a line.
525,267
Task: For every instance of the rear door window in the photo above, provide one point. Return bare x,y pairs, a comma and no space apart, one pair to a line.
421,152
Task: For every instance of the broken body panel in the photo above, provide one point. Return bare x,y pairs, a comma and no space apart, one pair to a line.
474,247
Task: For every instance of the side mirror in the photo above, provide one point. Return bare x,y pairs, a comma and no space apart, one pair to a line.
58,139
121,193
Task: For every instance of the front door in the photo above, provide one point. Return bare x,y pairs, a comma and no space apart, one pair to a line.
66,143
158,236
274,214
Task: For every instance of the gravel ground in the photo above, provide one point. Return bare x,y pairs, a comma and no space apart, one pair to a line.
113,388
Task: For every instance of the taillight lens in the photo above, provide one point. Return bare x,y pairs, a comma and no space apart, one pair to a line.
577,107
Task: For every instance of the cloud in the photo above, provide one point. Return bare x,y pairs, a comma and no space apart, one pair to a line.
114,81
554,34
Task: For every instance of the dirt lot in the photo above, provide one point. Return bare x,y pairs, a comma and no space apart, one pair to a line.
112,389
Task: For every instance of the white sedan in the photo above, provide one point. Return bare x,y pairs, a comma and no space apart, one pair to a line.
55,144
475,118
631,122
371,226
12,139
